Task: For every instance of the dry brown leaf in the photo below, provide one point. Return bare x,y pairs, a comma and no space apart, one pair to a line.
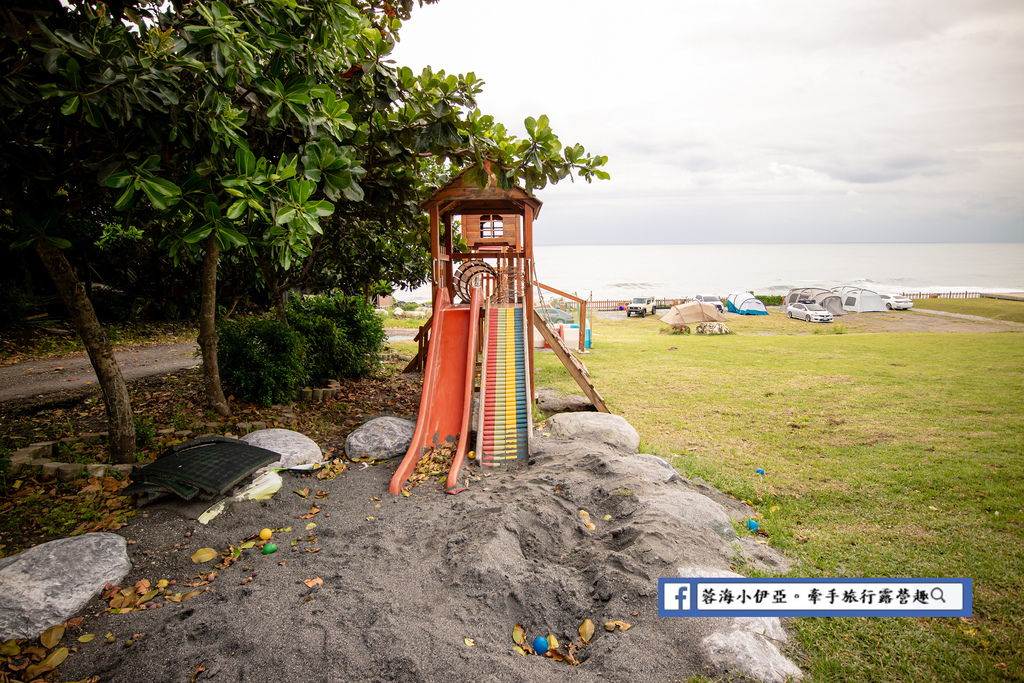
519,634
314,582
52,636
204,555
586,630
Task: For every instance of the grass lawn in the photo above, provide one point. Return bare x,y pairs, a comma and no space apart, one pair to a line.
997,309
887,455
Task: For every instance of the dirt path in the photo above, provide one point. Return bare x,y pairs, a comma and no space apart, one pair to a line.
34,378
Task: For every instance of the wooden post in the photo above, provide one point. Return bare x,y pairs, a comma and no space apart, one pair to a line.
434,247
447,265
528,287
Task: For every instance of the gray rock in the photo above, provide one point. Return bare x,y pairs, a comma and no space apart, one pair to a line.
601,427
381,438
294,448
746,644
49,583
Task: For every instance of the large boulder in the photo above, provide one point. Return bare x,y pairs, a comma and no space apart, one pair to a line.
601,427
294,448
381,438
47,584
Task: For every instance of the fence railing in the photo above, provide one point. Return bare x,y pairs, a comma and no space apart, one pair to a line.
943,295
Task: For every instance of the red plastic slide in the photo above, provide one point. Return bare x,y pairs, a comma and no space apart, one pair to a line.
448,382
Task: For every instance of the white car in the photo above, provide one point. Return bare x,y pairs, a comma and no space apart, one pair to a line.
812,313
896,302
710,299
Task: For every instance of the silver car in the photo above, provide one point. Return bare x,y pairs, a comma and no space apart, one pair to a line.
812,313
896,302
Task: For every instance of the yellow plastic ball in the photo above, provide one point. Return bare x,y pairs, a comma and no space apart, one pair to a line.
472,455
266,534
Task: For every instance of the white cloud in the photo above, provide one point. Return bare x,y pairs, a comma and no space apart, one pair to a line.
744,114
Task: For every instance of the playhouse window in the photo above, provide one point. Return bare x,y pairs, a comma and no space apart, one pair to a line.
491,226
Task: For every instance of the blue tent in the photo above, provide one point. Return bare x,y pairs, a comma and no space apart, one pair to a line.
745,303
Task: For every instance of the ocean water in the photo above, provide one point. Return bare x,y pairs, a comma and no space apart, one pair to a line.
679,270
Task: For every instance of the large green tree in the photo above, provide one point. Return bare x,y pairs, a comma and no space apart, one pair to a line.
269,126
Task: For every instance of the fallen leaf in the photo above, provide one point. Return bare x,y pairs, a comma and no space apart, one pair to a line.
302,492
52,636
552,642
518,634
607,517
586,630
621,625
204,555
314,582
520,650
247,545
191,594
469,642
86,638
10,648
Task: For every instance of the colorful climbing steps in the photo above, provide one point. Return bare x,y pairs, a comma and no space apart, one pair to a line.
505,420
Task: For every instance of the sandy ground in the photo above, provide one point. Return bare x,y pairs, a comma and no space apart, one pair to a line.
406,580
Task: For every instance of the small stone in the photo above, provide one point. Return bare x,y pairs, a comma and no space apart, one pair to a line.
20,463
70,471
90,439
244,427
259,424
184,433
212,426
96,470
49,470
124,470
43,449
37,464
68,440
318,395
164,432
305,395
381,438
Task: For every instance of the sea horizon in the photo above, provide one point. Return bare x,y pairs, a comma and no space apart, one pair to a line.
604,272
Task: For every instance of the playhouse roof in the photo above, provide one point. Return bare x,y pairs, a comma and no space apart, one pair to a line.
458,196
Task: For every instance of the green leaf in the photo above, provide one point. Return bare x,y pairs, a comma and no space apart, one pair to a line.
51,636
125,200
198,234
70,107
58,242
233,236
237,209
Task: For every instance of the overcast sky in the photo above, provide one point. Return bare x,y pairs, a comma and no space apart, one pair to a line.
754,121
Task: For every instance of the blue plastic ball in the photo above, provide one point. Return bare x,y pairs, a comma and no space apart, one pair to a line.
759,471
752,525
540,645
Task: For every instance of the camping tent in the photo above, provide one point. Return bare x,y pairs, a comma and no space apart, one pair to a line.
745,303
692,312
823,297
859,300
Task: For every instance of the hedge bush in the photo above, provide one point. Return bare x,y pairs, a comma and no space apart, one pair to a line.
770,300
344,336
261,360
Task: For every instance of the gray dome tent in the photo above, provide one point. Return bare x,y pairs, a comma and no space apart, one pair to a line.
823,297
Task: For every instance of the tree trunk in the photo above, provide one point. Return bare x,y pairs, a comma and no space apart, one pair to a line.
208,329
115,392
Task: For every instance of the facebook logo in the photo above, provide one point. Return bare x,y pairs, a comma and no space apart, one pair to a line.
674,596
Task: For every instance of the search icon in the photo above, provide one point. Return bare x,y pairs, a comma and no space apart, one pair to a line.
940,595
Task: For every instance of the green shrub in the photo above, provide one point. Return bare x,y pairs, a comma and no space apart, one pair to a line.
770,300
261,360
343,335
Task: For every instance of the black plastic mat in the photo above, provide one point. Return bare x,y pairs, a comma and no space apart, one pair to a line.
212,464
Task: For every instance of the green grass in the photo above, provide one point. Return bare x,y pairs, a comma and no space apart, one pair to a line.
997,309
887,455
